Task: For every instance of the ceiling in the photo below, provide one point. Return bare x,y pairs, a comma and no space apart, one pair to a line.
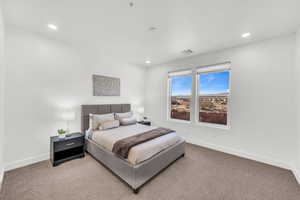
114,29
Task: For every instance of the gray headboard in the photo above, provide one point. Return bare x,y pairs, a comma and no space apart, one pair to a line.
100,109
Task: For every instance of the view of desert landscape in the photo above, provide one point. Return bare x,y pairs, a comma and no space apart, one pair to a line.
180,107
212,109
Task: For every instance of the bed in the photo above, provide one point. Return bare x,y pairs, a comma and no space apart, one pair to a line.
134,171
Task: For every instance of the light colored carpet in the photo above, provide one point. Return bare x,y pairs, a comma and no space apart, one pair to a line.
202,174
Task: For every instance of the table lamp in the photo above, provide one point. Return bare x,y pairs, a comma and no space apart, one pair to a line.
68,116
141,111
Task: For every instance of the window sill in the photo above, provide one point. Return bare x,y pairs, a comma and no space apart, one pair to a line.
224,127
179,121
200,124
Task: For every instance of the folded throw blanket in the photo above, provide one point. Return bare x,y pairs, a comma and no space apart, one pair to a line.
123,146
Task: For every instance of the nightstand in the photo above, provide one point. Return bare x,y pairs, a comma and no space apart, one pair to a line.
147,123
69,148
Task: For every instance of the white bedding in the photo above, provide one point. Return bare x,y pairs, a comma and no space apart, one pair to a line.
138,153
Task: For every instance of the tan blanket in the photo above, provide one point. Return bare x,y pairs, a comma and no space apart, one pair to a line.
123,146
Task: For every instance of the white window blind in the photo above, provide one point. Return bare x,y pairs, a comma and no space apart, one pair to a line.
180,73
215,67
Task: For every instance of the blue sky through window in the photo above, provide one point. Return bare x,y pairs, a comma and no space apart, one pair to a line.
211,83
181,85
214,83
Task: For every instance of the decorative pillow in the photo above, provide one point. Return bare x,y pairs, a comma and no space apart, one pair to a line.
123,115
128,121
108,125
96,119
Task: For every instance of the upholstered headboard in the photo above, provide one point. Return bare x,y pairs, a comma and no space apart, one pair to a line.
100,109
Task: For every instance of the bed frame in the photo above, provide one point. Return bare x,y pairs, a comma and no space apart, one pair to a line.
134,175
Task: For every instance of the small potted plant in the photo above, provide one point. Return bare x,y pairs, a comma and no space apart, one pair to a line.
61,133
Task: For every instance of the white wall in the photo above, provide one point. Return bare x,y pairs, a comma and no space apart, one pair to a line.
45,77
2,72
262,118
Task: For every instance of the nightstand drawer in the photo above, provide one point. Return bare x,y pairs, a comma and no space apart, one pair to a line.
68,144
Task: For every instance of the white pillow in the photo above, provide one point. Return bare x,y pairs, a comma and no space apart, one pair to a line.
96,119
123,115
128,121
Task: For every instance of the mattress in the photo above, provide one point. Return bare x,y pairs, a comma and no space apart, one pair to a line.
138,153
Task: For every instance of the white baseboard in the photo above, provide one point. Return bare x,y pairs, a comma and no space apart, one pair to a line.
1,177
242,154
296,173
26,161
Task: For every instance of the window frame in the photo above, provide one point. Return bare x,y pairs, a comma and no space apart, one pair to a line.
210,69
194,104
186,72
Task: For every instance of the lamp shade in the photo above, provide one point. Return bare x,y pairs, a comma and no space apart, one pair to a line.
68,116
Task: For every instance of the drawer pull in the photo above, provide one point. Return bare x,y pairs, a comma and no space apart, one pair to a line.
69,144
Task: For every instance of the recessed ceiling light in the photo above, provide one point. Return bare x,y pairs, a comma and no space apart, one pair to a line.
148,62
52,26
245,35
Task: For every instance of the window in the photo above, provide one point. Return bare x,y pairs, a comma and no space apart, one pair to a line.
180,95
213,85
204,92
